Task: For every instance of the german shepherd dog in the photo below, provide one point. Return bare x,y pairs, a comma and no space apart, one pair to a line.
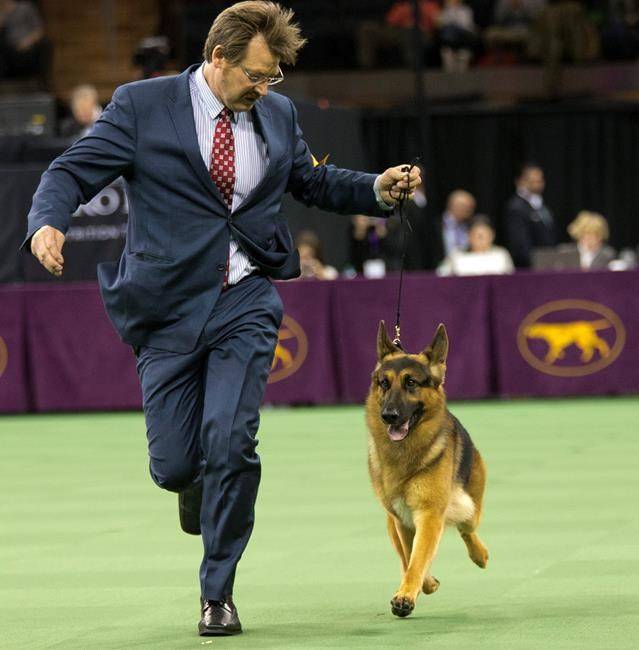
425,470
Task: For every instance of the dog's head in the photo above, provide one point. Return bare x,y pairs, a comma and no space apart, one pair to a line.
409,387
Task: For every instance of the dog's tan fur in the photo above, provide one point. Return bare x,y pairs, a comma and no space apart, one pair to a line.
417,479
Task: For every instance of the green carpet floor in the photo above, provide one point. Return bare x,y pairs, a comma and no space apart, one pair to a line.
91,555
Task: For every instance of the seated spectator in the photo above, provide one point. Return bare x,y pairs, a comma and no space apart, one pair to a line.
85,110
528,221
590,233
481,257
311,258
510,28
457,35
460,208
22,42
440,237
396,32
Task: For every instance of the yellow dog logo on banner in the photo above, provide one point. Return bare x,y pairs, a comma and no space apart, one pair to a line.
559,336
290,352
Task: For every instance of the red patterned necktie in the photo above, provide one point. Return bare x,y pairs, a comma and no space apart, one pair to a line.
222,169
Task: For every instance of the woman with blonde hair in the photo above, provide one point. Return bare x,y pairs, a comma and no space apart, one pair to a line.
590,232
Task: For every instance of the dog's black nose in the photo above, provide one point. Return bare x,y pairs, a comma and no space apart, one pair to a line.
390,416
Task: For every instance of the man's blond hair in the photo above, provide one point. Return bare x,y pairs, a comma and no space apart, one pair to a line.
234,28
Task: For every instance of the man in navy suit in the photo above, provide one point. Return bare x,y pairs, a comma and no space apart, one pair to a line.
529,222
207,156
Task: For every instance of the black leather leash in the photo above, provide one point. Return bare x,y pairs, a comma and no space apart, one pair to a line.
406,229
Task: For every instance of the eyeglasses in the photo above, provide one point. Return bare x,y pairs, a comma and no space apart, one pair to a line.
257,79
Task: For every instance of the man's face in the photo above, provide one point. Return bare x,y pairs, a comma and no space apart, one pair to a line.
229,81
533,180
461,206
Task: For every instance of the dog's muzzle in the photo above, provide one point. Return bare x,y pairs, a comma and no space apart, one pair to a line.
396,430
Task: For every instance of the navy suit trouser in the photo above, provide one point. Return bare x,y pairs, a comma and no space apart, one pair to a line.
202,416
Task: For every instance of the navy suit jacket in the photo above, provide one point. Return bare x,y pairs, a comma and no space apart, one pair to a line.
170,274
527,228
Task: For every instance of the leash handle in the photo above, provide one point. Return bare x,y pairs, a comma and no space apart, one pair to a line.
406,228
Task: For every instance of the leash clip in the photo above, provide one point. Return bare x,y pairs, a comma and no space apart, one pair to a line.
397,340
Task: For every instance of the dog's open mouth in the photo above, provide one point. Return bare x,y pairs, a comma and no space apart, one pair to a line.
398,433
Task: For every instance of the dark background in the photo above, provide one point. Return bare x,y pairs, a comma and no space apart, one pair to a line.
589,151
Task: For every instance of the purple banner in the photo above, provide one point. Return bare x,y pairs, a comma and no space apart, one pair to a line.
567,334
77,361
304,370
523,335
460,303
14,384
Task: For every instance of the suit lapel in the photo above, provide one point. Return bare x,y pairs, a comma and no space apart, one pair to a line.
181,110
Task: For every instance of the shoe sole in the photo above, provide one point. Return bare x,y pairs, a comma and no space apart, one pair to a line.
203,630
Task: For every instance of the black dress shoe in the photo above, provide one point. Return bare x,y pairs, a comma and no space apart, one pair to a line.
219,618
190,504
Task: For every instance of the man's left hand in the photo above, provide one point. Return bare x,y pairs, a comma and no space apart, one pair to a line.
395,180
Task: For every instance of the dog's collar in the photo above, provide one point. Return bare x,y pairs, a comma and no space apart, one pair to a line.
398,343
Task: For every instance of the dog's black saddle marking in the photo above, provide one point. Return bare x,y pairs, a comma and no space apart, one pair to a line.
466,461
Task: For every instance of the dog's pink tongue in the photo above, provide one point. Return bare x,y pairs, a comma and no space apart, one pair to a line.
398,433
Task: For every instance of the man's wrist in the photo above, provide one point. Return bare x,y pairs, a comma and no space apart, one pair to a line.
380,201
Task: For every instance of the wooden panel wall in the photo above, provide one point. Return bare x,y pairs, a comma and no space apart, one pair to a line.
93,42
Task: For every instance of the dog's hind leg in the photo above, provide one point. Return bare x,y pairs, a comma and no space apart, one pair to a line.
477,552
431,584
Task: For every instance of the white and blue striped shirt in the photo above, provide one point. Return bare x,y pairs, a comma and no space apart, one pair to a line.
251,156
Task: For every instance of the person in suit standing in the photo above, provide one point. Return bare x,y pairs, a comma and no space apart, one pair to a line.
528,221
207,156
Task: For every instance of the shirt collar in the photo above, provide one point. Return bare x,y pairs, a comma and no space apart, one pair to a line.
212,104
534,200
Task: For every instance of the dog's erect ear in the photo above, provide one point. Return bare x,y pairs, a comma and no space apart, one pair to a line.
384,345
436,354
437,351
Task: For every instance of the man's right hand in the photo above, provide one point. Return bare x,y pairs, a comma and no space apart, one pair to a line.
46,245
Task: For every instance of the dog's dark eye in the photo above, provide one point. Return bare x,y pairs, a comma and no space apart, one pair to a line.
410,382
384,384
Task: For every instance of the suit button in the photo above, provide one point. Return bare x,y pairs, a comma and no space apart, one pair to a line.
221,267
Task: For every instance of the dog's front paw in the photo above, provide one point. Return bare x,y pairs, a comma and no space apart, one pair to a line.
402,605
